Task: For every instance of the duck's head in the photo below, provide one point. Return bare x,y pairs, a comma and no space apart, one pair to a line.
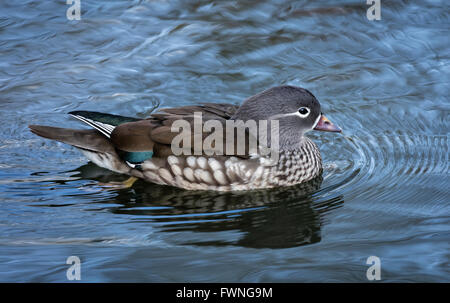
296,109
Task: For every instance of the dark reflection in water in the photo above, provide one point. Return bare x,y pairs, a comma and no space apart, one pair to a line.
273,218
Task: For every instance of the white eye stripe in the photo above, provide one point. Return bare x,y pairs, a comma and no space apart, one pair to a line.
296,113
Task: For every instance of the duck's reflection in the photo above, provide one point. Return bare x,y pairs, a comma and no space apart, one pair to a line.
275,218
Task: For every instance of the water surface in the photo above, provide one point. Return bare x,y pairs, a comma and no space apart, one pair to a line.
385,187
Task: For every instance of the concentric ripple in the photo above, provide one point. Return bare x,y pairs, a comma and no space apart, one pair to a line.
379,163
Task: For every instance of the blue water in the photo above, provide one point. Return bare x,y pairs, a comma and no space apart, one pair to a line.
385,187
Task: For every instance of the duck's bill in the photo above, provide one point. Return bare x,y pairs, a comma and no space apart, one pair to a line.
325,125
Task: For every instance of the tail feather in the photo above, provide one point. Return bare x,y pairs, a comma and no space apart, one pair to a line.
104,123
90,139
95,146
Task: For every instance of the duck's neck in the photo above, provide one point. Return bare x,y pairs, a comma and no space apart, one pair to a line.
299,164
291,143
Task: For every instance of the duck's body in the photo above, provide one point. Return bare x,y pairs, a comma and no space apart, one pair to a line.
234,173
142,148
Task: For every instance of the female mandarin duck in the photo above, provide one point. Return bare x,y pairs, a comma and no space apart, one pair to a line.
142,149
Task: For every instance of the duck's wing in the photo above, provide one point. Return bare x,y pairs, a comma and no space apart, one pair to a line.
175,131
212,131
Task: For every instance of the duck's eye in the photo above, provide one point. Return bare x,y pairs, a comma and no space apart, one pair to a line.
303,111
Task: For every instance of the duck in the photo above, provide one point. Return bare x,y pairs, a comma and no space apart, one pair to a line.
145,149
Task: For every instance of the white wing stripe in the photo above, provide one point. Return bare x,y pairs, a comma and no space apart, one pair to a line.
104,128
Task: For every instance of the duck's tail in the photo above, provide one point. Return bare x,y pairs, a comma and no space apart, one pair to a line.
94,145
85,139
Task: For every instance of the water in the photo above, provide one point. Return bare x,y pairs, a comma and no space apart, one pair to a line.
385,188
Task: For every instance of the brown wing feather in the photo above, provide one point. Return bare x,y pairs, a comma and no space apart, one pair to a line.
133,136
154,134
162,136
